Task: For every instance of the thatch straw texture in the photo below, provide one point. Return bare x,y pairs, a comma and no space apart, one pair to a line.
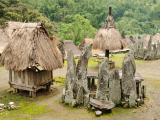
31,46
86,42
10,27
155,38
54,40
68,44
108,39
4,40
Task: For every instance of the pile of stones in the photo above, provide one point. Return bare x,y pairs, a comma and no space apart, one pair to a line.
111,90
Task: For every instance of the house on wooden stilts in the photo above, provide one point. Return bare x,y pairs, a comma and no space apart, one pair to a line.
30,57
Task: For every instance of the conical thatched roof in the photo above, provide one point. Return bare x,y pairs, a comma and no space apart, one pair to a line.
68,44
86,42
30,46
108,37
4,40
155,38
54,40
127,41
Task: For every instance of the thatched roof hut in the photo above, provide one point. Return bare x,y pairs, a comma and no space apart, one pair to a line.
155,38
87,41
4,40
30,46
108,37
132,38
68,44
127,41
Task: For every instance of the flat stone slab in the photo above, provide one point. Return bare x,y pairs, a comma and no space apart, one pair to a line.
102,104
138,77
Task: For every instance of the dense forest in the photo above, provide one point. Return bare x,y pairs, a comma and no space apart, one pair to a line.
77,19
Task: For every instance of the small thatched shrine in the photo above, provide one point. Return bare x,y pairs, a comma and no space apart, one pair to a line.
86,42
30,57
108,37
68,44
4,40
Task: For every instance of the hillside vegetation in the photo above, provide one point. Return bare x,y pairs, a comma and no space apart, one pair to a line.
78,19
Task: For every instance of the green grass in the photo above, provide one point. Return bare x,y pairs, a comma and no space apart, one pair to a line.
25,112
60,80
92,63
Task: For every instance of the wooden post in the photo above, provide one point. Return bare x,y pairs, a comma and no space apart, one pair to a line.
30,93
89,82
33,94
10,75
93,81
48,87
107,54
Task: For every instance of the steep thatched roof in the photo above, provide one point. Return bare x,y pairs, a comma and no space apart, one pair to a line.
30,46
68,44
4,40
108,37
86,42
54,40
127,41
155,38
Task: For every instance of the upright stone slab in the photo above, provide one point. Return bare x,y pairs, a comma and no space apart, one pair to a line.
158,50
71,71
103,77
80,98
148,49
69,95
128,79
154,51
82,65
114,87
141,51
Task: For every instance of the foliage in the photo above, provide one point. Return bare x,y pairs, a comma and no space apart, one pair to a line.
77,30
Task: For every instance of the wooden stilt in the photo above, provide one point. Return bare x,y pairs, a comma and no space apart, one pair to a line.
33,94
107,54
93,81
48,87
30,93
89,82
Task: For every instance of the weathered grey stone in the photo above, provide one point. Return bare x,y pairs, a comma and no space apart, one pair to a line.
98,113
93,108
114,92
103,75
80,97
158,50
128,79
141,51
71,72
73,103
89,106
69,94
82,65
86,99
149,49
102,104
154,51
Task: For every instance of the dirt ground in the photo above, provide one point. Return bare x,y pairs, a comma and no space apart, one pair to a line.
56,111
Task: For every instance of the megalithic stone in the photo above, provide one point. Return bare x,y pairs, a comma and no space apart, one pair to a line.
114,87
148,49
71,71
141,50
69,95
81,70
158,50
103,77
154,51
128,79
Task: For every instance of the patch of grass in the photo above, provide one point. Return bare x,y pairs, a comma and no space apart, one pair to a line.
60,80
92,63
26,111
